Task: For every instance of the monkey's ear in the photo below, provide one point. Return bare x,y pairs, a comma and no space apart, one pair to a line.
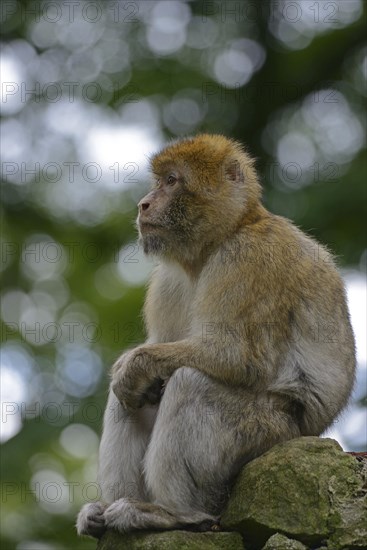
233,172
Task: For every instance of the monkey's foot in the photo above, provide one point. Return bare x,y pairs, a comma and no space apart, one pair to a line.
91,520
204,526
128,514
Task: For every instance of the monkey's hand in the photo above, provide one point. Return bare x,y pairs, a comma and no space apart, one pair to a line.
135,380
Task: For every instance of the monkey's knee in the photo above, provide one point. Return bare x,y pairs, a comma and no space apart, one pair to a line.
183,396
184,382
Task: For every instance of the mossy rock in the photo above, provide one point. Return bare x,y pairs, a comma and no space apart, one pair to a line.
305,493
280,542
170,540
307,489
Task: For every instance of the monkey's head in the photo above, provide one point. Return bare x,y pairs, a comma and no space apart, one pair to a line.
203,189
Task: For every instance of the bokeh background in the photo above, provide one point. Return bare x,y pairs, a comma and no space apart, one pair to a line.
89,91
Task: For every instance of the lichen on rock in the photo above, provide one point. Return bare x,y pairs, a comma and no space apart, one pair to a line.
280,542
171,540
304,493
307,489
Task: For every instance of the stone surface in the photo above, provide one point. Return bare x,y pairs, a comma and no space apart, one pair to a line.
171,540
280,542
307,489
305,493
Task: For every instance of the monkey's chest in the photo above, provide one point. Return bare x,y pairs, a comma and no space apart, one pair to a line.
175,319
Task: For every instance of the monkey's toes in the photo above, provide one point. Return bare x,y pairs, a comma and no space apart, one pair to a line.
91,520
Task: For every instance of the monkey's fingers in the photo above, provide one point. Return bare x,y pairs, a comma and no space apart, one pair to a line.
153,394
163,388
130,400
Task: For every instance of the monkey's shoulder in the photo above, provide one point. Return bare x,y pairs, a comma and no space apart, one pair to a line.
274,262
275,243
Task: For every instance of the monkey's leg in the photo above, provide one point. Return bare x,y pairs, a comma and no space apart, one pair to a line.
204,432
123,445
122,449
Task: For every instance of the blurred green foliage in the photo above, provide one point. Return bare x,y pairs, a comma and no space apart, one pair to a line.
288,82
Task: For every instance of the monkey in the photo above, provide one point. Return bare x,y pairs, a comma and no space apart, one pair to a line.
249,344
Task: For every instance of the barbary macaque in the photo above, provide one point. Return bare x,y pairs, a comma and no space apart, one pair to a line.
249,344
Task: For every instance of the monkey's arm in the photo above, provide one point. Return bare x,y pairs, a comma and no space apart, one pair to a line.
228,329
138,369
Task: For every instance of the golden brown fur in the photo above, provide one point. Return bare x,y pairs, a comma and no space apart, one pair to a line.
249,340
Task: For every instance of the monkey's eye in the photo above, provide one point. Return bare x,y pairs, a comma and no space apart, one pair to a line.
171,180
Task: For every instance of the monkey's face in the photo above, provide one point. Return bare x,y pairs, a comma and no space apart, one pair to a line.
199,195
163,220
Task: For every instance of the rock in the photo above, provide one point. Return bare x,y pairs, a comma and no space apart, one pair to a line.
305,493
170,540
308,489
280,542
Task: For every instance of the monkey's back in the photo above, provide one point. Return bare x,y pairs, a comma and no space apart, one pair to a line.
280,293
298,289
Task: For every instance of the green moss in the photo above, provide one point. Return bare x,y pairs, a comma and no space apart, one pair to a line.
302,488
171,540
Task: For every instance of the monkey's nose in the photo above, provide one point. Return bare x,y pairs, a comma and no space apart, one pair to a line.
143,205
